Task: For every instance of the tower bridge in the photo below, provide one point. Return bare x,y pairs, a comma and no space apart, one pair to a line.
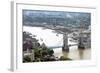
65,31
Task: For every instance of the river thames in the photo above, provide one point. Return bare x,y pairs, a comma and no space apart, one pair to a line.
53,39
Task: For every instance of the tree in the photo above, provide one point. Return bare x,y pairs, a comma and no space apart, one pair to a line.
50,52
26,59
29,41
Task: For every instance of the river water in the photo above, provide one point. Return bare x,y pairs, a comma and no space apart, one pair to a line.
74,54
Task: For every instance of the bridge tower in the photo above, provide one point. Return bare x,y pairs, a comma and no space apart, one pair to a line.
65,42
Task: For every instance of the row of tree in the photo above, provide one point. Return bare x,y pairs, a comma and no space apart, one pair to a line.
41,51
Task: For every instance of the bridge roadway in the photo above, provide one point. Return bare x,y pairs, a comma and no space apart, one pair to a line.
70,45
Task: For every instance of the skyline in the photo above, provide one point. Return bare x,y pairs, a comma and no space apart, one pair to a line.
62,18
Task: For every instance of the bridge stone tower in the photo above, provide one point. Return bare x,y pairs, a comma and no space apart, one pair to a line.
65,42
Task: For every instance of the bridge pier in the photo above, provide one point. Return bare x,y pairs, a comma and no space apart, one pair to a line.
80,44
